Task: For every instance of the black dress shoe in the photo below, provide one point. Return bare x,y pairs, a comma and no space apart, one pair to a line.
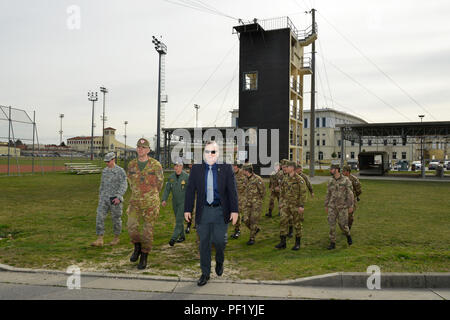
171,242
181,239
219,269
203,280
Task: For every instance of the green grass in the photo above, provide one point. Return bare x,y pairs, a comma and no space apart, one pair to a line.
49,221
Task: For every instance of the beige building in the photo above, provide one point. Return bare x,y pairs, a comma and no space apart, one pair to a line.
327,140
83,144
13,152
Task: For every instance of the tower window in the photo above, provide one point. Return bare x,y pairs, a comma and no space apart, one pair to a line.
250,81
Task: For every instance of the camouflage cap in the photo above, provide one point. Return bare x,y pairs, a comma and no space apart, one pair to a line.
283,162
142,142
347,168
335,166
291,164
247,166
109,156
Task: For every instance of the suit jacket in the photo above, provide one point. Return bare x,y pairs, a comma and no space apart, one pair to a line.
226,186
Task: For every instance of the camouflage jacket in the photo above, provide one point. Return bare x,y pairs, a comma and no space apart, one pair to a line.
113,183
274,180
241,182
293,191
357,190
145,185
254,191
308,183
339,193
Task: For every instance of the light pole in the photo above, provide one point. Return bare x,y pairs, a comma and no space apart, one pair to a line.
125,123
60,129
161,48
105,91
92,96
422,162
196,106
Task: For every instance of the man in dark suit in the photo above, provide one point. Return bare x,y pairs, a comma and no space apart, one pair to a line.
217,205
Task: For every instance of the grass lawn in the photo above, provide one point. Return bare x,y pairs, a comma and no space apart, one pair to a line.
48,221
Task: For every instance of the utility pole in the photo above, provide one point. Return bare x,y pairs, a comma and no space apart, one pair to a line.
105,91
422,161
60,129
125,123
313,98
196,106
92,96
161,48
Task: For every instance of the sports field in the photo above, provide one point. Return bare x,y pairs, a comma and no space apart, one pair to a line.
48,221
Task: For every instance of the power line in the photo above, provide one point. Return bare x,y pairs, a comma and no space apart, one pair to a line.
326,73
349,109
365,88
200,6
377,67
226,95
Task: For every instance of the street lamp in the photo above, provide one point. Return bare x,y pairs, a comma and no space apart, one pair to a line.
92,96
161,48
105,91
422,166
125,123
196,106
61,130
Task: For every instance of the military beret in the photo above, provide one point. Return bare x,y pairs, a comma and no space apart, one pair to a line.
335,166
109,156
247,166
142,142
347,168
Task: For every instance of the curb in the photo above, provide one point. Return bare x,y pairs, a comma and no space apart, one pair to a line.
336,280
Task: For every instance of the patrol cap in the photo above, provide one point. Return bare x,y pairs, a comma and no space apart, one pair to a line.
247,166
109,156
142,142
335,166
347,168
178,161
291,164
283,162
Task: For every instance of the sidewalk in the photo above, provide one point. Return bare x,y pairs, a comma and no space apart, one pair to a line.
293,289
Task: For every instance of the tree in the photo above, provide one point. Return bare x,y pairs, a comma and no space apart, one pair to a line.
334,155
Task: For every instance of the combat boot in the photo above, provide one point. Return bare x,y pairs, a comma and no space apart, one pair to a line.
251,242
236,234
115,241
349,240
297,244
98,242
290,234
188,228
143,261
137,251
331,246
282,244
269,214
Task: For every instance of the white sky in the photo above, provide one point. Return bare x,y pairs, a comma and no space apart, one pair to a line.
48,68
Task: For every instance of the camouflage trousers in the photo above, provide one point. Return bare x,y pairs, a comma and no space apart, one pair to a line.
274,195
104,205
241,208
290,216
350,217
341,215
251,218
147,214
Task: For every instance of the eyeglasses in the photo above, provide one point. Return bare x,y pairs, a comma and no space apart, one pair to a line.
210,151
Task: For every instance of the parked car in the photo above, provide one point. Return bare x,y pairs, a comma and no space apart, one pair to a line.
416,165
401,165
448,166
353,164
433,165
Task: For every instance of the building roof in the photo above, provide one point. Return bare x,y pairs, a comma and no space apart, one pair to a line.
109,128
83,138
336,111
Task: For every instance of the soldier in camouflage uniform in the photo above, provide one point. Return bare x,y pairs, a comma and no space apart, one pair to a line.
145,176
274,186
241,182
113,186
283,175
176,183
299,171
254,195
293,198
338,204
357,190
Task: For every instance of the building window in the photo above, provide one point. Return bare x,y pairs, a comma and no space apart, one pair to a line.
352,155
250,81
320,155
385,142
394,155
324,122
339,143
317,122
353,143
394,142
305,123
369,142
339,155
404,155
318,143
323,142
306,143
